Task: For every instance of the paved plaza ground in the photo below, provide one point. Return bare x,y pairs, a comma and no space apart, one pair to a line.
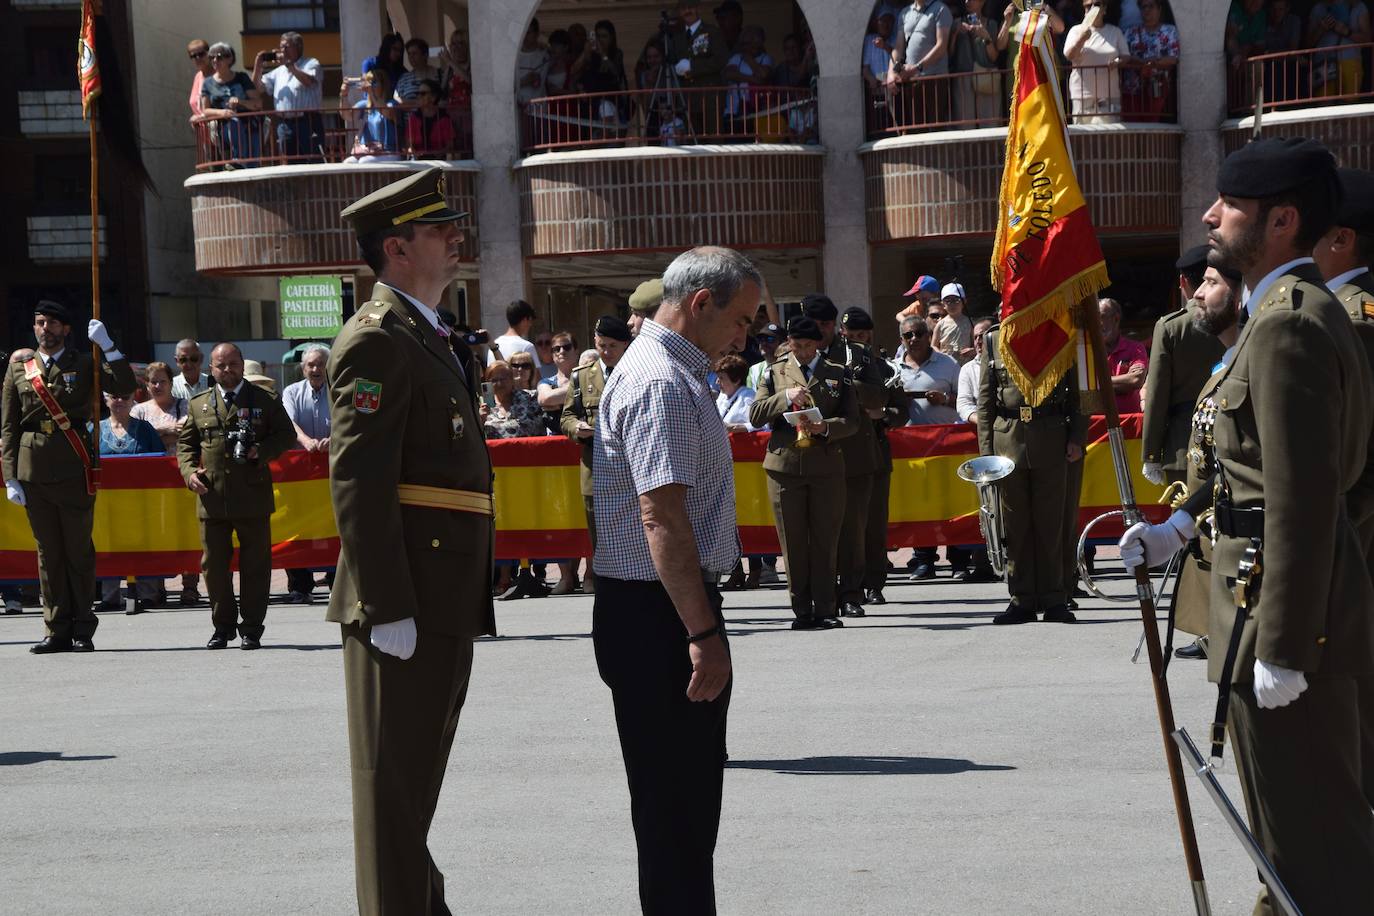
919,761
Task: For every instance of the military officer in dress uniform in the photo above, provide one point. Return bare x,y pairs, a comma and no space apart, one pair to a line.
230,474
1042,441
1343,255
610,337
49,462
411,483
868,375
698,55
1291,591
805,468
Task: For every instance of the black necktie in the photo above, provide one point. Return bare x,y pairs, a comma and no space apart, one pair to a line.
806,371
229,400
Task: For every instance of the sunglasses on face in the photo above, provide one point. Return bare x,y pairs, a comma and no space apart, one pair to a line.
559,348
219,56
913,335
196,55
183,360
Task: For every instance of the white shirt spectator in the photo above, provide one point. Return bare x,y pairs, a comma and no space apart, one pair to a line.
734,410
287,92
511,344
921,24
527,62
938,373
1096,90
737,98
183,389
308,408
966,403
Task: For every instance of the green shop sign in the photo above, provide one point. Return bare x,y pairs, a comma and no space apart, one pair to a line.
311,307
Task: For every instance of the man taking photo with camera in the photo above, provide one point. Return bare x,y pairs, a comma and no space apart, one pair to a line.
233,430
294,87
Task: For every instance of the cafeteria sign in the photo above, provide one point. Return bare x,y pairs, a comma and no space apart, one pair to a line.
311,307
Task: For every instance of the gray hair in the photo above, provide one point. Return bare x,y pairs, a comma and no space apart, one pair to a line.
314,348
294,38
720,271
910,321
222,47
188,343
1111,305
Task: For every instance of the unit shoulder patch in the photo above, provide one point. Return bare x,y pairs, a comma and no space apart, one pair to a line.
367,396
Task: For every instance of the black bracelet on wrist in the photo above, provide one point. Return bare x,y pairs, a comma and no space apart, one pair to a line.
705,634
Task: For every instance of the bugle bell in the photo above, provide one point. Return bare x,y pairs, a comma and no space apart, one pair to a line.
984,473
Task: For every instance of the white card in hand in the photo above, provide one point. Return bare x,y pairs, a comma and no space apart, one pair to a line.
794,417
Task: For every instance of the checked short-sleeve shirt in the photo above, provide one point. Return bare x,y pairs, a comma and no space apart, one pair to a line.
658,425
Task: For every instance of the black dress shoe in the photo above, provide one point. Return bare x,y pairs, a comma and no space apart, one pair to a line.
978,574
250,642
299,598
1078,592
218,641
1071,604
83,644
875,596
922,571
806,623
1194,651
51,644
1059,614
850,609
1015,614
828,623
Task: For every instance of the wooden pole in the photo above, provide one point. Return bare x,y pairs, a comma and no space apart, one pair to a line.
95,281
1091,323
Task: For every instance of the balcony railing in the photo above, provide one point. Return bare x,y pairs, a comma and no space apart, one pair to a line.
260,138
1125,93
1301,79
670,117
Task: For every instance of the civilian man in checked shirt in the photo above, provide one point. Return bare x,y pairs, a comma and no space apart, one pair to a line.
307,404
665,497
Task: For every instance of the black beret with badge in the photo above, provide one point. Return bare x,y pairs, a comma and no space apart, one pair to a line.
818,307
613,327
53,310
803,328
1273,165
417,198
856,319
1194,258
1357,204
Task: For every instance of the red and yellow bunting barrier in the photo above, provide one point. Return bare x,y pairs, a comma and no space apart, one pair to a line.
145,519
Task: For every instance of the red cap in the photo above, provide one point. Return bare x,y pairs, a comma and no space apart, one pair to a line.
926,283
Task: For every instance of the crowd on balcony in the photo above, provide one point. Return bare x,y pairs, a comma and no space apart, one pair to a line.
1279,56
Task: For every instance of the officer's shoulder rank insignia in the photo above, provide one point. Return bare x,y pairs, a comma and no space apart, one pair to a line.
1367,308
367,396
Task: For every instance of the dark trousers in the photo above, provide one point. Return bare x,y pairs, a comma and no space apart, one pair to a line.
255,572
402,716
61,516
300,138
1033,510
852,558
875,531
1300,772
674,749
1073,495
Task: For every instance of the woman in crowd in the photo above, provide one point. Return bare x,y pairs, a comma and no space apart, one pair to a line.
429,132
1338,24
552,393
121,435
530,63
1148,93
376,116
224,95
526,374
978,98
408,83
391,57
735,397
798,70
165,412
513,412
1095,47
558,72
543,351
455,83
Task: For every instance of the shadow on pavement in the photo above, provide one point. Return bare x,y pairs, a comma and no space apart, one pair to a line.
24,758
866,766
232,648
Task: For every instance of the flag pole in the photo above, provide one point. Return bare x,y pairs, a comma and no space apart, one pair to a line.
95,266
1091,323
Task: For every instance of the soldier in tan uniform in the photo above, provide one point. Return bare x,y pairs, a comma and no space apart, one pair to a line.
805,468
49,459
1042,441
1291,429
231,476
610,337
411,484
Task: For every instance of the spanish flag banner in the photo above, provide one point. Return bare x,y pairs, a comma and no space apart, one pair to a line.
87,66
1045,258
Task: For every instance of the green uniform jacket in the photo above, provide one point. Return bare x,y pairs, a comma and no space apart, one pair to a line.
867,374
582,405
33,454
707,52
831,392
1181,359
1039,442
1354,296
403,411
236,490
1291,433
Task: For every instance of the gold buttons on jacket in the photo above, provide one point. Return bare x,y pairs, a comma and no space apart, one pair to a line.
360,605
1321,640
1223,402
434,543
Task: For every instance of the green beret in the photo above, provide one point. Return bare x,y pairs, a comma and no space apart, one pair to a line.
647,296
1357,204
417,198
1273,165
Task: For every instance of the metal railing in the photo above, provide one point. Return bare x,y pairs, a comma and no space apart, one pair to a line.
1127,93
1301,79
252,139
669,117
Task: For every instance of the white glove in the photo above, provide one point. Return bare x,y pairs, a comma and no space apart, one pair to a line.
396,639
683,67
14,492
1153,544
1153,472
1276,686
99,335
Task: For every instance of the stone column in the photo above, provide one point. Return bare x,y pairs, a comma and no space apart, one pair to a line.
360,32
1201,108
495,31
